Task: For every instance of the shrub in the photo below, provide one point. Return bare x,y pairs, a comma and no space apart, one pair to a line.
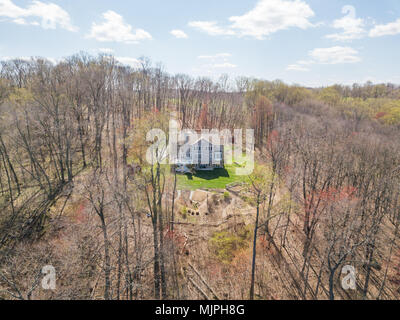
226,244
249,200
184,212
227,196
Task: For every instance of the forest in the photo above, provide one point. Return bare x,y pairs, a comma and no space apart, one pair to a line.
77,194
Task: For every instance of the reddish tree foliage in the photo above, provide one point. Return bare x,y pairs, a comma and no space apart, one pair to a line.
176,238
316,202
273,139
203,119
334,195
380,115
262,116
79,214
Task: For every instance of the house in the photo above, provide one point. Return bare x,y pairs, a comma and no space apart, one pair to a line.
203,154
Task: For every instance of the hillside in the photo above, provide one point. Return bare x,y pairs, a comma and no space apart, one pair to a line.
78,193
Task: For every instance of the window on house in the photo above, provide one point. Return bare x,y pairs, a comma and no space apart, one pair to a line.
218,156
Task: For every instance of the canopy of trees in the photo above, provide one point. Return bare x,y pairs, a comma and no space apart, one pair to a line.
76,192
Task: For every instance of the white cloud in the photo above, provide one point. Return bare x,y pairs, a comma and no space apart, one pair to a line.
51,15
297,67
211,28
114,28
179,34
55,60
216,61
225,65
20,21
268,16
9,10
389,29
215,56
28,59
305,62
353,27
106,50
131,62
8,58
335,55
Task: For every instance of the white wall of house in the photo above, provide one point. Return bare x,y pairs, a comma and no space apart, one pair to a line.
202,154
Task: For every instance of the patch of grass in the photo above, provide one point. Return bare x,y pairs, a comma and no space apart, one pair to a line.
216,179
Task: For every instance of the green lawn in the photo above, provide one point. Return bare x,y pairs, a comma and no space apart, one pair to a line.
216,179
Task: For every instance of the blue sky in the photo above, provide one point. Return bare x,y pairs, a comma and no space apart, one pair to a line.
309,42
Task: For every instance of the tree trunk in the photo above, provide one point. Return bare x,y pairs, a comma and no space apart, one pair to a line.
253,264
